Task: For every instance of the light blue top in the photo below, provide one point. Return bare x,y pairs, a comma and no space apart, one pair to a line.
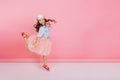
43,32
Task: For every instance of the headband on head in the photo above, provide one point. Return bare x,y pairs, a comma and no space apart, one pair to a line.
40,16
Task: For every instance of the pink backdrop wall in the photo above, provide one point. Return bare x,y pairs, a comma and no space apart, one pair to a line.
85,29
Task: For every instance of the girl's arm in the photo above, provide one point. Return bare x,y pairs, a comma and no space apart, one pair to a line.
39,35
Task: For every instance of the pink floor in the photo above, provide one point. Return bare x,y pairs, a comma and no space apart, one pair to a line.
60,71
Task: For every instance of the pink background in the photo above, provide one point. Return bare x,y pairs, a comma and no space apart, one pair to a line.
86,30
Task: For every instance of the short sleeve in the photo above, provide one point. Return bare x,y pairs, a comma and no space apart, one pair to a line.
40,32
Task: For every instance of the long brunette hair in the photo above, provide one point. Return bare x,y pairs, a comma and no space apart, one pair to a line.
47,22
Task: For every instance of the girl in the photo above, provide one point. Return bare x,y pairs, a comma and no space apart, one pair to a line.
40,43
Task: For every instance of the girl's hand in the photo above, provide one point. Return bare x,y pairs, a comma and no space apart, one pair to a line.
54,21
36,41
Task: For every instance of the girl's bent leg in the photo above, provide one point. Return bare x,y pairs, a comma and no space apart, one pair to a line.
25,37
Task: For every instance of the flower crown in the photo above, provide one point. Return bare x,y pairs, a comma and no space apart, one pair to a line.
40,16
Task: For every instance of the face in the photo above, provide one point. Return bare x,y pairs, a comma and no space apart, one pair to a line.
42,21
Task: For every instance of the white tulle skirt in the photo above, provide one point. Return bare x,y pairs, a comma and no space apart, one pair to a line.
42,47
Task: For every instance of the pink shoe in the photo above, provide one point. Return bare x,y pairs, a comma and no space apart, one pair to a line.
45,67
24,35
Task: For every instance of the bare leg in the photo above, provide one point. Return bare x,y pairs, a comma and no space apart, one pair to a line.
45,60
45,66
25,37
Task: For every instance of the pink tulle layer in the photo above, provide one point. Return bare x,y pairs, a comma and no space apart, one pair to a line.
42,47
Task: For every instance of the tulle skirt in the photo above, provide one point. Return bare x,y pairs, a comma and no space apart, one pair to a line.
42,47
